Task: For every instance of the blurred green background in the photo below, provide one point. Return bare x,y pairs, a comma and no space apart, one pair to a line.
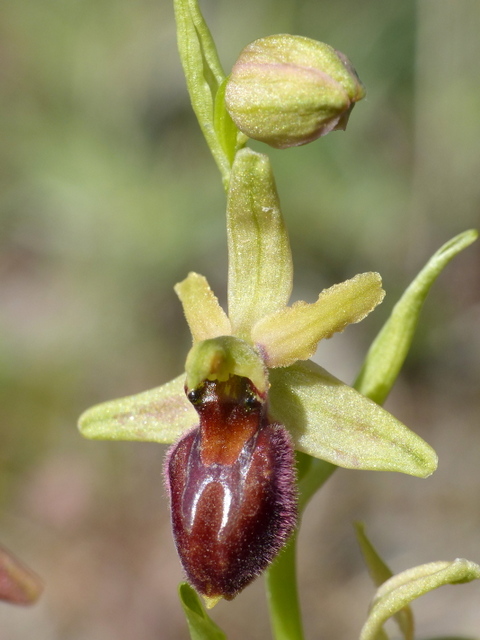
108,197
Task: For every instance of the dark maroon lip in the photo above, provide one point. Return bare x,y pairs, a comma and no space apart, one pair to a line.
232,489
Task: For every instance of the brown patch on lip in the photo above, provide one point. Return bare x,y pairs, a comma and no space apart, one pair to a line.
230,415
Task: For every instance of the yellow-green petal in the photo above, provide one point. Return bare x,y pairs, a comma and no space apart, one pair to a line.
330,420
405,587
260,268
204,315
293,333
219,358
159,415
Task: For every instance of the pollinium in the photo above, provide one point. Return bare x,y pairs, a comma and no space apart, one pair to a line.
232,488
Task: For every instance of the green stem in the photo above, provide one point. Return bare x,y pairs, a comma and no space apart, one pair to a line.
281,577
282,594
317,474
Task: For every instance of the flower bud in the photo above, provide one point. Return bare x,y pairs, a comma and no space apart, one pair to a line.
232,489
289,90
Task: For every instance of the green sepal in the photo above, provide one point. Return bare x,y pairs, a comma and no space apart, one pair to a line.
159,415
260,270
332,421
397,592
203,73
389,350
219,358
380,573
200,625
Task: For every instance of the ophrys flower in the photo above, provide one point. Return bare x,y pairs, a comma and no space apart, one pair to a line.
248,377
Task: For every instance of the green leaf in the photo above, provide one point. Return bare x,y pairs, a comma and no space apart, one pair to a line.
159,415
201,626
389,350
203,73
293,333
260,270
380,573
397,592
330,420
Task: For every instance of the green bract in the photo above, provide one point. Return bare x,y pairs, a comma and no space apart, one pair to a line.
200,625
203,73
389,349
264,339
206,85
289,90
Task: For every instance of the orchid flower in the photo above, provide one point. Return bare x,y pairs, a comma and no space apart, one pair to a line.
269,342
249,382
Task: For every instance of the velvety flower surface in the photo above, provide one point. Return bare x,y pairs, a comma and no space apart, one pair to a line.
269,343
231,482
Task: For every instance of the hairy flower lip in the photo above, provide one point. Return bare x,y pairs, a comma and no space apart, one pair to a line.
231,482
